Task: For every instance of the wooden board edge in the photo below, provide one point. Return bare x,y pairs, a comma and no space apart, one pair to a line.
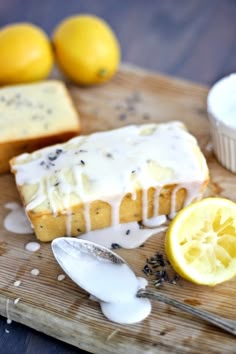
28,315
59,327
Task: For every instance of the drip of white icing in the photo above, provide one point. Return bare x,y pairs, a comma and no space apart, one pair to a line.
115,211
16,301
114,285
156,202
61,277
16,221
17,283
131,311
68,222
155,221
50,191
32,246
87,217
144,204
38,198
106,166
35,272
173,202
128,235
192,194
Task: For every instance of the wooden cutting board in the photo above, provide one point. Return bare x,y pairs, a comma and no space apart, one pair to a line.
63,310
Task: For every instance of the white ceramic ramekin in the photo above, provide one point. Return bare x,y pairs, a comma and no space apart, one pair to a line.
221,106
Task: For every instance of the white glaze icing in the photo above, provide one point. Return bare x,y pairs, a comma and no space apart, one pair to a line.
32,246
114,285
17,283
155,221
16,221
126,312
16,301
156,203
173,202
35,272
61,277
106,166
128,235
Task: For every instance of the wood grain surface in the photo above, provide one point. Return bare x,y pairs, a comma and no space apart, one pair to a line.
63,310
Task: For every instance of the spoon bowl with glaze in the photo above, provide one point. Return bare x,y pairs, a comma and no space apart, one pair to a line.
95,267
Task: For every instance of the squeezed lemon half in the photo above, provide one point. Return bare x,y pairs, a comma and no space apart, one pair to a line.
201,241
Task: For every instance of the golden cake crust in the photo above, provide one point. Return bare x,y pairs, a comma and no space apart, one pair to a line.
47,229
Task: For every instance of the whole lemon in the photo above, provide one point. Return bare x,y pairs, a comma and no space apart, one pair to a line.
86,49
25,54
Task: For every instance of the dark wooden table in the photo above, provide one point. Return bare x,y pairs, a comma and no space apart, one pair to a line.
192,39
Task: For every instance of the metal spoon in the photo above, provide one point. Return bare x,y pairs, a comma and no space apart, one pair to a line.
65,247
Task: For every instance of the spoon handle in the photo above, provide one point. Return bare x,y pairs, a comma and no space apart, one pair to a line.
223,323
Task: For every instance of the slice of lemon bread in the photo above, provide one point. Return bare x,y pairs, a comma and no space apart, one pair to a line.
33,116
123,175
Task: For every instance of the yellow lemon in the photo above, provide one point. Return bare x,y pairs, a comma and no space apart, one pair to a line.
25,54
86,49
201,241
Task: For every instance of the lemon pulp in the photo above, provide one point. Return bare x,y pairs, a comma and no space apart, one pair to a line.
201,241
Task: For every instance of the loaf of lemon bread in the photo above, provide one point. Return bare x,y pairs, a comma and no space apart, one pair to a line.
118,176
33,116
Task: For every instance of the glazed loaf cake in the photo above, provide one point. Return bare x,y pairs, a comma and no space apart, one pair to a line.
118,176
33,116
